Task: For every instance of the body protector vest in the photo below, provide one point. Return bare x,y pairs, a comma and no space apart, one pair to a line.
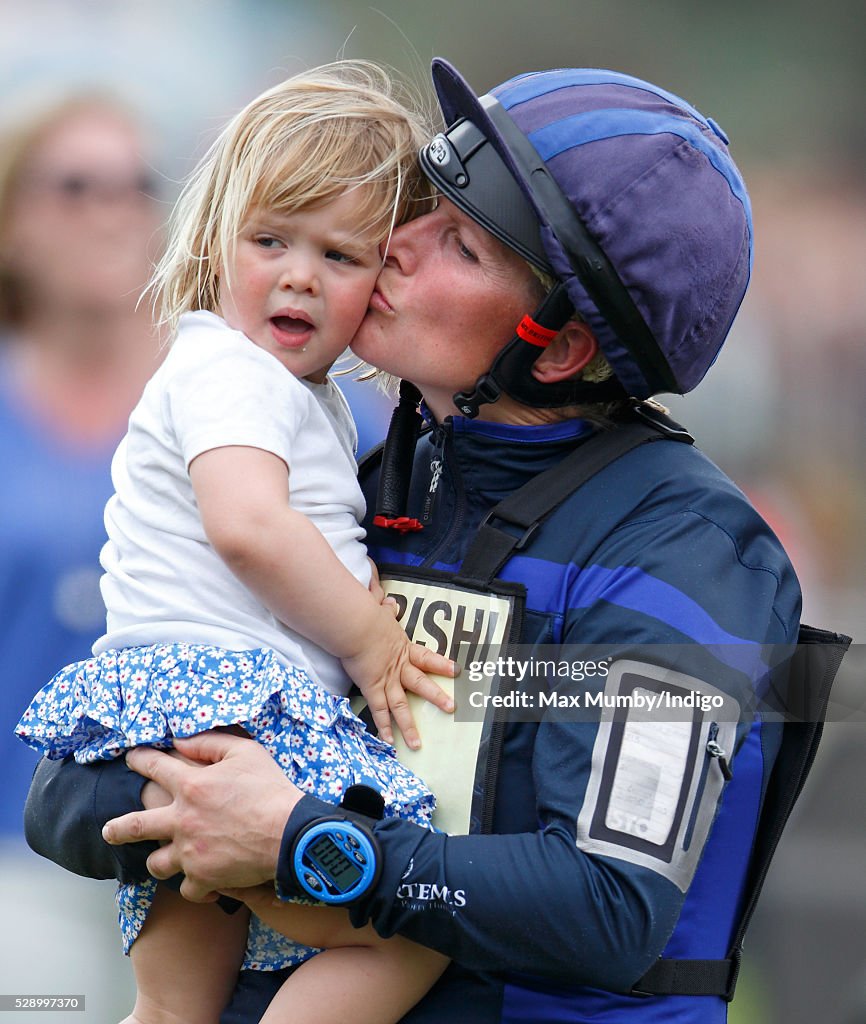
474,612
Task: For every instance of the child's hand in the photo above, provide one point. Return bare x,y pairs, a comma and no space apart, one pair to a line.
387,668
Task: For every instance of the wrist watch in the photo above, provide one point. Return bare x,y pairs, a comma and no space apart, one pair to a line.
336,858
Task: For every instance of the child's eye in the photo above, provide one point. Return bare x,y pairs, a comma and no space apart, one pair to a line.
339,257
267,241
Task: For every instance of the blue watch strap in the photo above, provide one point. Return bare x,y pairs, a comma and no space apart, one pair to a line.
306,811
361,808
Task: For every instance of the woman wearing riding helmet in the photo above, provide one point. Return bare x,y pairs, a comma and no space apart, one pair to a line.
602,851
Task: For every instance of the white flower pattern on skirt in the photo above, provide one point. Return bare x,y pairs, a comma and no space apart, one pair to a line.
143,696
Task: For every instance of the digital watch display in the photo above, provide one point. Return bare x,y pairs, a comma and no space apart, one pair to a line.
335,860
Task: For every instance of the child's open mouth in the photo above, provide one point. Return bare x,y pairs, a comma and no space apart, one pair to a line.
291,331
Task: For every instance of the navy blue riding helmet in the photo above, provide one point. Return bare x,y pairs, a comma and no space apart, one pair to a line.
623,194
626,196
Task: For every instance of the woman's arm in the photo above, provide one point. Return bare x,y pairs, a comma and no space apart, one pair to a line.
66,808
532,902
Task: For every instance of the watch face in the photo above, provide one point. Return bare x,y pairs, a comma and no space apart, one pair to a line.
335,861
330,860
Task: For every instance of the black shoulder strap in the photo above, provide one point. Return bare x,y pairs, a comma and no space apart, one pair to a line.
508,526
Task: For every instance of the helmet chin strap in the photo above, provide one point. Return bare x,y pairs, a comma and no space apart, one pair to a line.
510,374
511,371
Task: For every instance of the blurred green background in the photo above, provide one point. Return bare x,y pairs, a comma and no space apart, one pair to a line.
782,411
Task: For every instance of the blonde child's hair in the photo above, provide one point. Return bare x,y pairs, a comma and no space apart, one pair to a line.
304,143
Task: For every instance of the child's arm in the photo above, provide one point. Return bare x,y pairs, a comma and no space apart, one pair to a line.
242,495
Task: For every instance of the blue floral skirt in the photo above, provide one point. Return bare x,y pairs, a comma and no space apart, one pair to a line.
143,696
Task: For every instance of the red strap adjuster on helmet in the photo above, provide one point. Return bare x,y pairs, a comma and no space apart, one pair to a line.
402,524
534,333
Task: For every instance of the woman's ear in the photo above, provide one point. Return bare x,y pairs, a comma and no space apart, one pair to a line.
567,354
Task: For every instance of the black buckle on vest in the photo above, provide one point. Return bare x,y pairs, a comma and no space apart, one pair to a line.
523,540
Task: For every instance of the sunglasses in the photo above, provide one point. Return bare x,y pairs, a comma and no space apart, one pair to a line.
83,186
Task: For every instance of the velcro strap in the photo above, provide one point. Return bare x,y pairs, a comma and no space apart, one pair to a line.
690,978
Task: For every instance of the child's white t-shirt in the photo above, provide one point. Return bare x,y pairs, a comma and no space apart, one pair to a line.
163,581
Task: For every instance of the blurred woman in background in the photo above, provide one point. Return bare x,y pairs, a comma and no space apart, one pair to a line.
79,227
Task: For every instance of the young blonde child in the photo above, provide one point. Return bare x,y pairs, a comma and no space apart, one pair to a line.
236,581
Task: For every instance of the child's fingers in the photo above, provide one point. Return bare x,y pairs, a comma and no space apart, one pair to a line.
378,706
415,681
398,706
430,661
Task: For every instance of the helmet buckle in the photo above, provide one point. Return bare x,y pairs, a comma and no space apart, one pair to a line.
486,391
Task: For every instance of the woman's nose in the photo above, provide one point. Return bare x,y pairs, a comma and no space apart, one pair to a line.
403,250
